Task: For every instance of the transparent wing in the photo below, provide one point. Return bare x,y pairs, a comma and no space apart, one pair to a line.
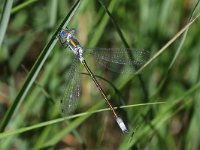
121,60
69,100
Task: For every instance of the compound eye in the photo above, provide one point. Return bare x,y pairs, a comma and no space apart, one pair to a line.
72,31
63,34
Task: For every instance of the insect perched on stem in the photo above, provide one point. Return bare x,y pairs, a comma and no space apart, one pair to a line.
117,56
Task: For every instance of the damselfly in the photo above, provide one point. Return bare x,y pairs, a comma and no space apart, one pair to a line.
119,56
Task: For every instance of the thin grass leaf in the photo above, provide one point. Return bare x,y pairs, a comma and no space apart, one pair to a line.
53,12
162,117
5,19
73,125
151,127
31,103
101,26
167,45
51,122
115,24
179,47
22,5
83,116
142,83
21,51
183,38
36,68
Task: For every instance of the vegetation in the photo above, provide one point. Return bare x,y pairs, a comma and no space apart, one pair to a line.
159,102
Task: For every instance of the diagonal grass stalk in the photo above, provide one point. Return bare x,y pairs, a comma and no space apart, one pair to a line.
36,68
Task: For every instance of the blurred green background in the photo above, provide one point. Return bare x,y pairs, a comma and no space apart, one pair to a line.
27,26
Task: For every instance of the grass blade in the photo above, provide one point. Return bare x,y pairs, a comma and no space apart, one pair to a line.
94,109
36,68
5,19
100,28
23,5
146,97
183,39
168,113
167,44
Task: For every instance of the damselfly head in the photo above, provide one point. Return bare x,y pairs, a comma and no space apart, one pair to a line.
64,34
67,33
72,31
